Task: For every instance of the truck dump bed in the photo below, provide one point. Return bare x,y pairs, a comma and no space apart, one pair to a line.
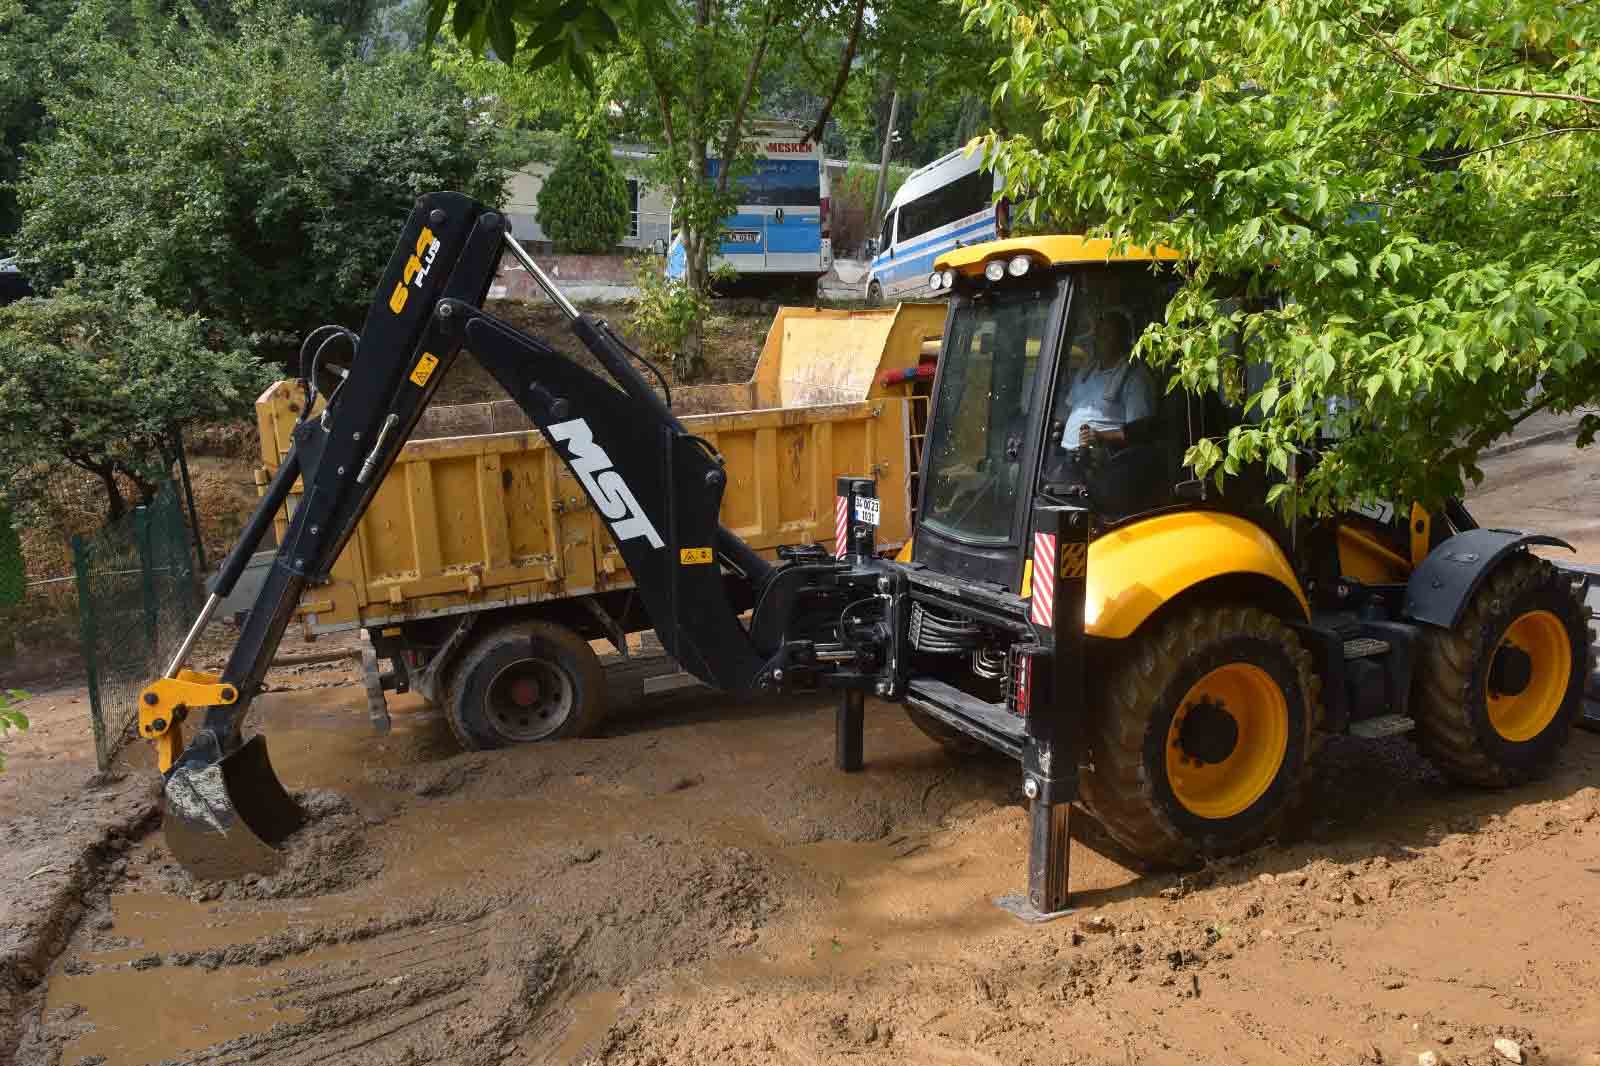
477,513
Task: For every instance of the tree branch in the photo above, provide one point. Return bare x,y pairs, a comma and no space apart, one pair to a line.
1419,75
843,75
663,98
731,142
1518,140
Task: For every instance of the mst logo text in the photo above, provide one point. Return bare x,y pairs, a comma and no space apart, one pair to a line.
605,486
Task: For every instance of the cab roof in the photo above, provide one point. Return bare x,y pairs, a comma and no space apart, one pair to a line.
1057,250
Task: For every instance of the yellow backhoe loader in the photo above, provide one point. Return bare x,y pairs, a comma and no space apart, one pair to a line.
1073,596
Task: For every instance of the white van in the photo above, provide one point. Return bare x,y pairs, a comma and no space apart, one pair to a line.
948,203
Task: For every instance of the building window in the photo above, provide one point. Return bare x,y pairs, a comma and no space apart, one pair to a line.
633,207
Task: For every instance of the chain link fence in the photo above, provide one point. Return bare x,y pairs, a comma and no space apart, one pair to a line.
137,595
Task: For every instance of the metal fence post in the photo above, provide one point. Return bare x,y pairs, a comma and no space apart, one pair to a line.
147,568
188,494
86,629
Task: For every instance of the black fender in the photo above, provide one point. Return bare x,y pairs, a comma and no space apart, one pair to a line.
1440,588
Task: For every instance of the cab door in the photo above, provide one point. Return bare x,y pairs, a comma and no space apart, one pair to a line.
987,415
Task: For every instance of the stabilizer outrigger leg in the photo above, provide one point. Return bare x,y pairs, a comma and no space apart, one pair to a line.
1052,689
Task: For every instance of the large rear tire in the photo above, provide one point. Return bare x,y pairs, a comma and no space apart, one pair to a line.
525,682
1203,734
1497,693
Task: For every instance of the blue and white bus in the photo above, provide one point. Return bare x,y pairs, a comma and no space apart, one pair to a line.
780,227
948,203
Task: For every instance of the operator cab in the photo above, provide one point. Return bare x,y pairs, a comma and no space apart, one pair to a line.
1037,395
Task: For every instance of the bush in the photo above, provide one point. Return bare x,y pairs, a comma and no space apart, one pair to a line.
583,204
246,177
10,717
105,381
665,313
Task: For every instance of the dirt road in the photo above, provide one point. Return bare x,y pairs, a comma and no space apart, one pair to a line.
701,886
695,888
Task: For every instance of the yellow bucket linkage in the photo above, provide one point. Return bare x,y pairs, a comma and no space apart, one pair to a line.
165,703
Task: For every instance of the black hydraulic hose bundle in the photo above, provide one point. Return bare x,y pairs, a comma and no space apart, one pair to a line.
322,336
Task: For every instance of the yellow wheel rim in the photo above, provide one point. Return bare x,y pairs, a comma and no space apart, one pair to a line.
1210,776
1520,714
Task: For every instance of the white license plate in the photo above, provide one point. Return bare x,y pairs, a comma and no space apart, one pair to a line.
867,510
741,236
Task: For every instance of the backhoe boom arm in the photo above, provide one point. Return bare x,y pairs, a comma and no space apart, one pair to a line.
658,487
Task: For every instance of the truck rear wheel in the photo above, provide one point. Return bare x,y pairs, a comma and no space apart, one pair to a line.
1203,734
1498,692
525,682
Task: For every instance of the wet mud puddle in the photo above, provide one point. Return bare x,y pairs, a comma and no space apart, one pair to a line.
517,906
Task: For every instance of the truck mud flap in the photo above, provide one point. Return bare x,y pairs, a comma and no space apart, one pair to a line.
224,820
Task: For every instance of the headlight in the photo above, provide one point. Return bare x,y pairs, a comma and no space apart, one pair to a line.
1018,266
949,279
995,270
935,280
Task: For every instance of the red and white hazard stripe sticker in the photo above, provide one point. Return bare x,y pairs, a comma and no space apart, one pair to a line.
841,524
1043,611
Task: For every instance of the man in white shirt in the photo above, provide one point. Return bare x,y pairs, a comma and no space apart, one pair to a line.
1110,390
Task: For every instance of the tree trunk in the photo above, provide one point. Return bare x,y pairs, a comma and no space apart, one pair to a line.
692,362
882,186
116,506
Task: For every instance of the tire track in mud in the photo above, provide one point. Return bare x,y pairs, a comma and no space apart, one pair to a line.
459,979
351,1006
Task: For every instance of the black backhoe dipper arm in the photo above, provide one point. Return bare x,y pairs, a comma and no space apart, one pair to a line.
658,487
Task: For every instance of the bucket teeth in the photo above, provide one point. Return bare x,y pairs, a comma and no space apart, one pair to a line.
223,820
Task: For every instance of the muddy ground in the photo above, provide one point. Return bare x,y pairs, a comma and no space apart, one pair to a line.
699,885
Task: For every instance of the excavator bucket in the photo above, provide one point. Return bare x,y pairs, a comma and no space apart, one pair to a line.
225,820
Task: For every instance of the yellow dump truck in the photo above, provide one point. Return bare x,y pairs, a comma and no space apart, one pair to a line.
482,574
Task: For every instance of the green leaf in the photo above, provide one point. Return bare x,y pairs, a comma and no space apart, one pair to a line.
468,15
436,14
502,32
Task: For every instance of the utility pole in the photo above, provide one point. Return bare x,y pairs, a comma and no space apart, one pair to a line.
883,157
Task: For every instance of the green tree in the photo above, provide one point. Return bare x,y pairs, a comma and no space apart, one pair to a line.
25,60
583,203
697,66
569,35
1389,203
247,178
32,59
105,381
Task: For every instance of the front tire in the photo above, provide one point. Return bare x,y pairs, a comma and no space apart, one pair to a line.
874,294
1498,692
525,682
1203,735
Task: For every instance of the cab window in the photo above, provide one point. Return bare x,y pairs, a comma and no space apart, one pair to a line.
978,441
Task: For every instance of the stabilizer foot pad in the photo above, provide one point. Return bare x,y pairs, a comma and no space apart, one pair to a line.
1019,906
